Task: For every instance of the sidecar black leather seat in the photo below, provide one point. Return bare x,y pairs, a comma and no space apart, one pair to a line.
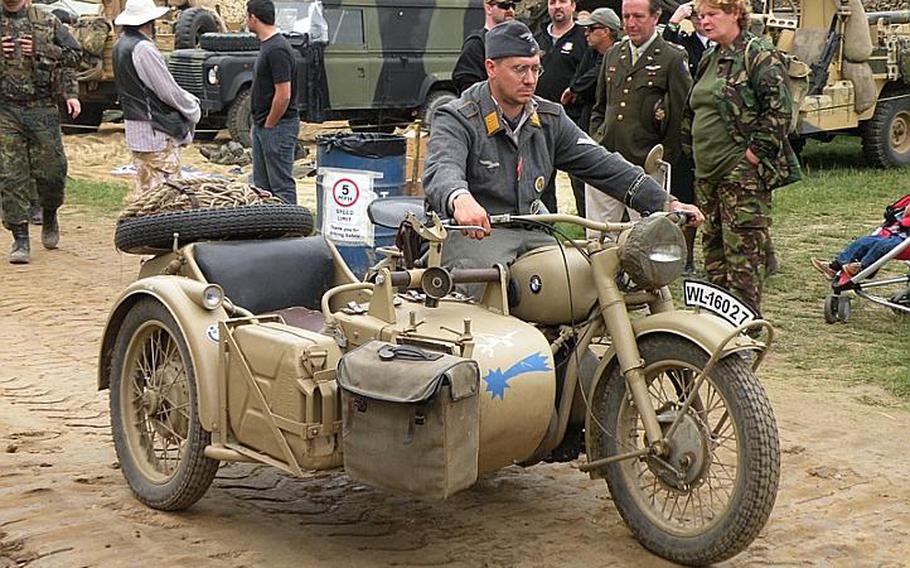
267,276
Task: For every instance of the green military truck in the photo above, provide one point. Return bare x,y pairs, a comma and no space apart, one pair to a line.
376,64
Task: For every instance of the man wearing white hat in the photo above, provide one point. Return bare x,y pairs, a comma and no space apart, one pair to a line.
160,116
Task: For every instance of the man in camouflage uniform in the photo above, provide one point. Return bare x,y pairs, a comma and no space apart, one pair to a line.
35,47
739,111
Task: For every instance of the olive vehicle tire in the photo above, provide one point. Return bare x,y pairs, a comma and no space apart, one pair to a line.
434,100
192,25
746,419
886,136
240,118
229,42
153,234
153,402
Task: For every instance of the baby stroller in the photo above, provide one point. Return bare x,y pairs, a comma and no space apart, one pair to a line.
837,304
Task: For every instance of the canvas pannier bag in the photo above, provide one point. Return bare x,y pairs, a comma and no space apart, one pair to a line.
410,419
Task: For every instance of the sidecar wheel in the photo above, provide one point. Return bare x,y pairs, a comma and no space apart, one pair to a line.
154,414
725,452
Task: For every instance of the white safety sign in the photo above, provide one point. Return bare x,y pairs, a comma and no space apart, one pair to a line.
345,197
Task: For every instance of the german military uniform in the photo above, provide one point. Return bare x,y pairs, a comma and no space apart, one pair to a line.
473,148
741,95
30,142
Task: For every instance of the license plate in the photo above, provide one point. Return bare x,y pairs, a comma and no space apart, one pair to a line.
718,301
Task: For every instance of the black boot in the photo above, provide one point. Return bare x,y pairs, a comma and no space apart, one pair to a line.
50,231
34,213
20,253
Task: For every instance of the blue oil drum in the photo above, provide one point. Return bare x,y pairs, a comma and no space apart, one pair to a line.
352,171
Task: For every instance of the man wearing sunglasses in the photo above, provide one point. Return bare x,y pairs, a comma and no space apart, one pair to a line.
469,68
493,150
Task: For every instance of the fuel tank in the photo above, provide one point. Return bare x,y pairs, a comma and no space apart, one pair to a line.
542,280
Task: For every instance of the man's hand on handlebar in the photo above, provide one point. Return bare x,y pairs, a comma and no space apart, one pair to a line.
469,212
696,217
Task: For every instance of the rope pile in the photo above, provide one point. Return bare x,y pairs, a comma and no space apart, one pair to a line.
201,193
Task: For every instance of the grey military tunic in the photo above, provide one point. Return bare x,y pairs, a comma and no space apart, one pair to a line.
473,148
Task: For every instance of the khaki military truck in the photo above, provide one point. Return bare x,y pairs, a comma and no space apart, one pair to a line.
376,65
91,22
859,82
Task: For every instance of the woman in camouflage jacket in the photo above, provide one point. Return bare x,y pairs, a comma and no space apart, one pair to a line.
735,127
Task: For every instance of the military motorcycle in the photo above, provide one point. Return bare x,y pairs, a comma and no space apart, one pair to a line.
272,352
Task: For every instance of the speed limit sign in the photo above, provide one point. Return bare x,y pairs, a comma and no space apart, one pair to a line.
345,192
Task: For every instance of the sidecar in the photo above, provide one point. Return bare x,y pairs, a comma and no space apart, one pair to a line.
227,351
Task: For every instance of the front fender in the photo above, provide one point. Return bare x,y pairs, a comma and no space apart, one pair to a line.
176,294
704,330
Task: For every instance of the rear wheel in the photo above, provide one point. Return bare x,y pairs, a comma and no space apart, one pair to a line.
240,118
154,411
831,304
886,136
709,497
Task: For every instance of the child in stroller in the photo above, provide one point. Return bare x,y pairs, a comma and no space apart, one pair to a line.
866,250
856,266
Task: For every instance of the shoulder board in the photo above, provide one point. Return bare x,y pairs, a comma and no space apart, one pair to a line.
675,46
547,107
469,109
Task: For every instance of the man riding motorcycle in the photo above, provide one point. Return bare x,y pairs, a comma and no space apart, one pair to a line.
493,150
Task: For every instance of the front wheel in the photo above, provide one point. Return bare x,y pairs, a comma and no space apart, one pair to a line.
708,498
154,413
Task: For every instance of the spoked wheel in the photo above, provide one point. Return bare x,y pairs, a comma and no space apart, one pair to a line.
711,494
154,412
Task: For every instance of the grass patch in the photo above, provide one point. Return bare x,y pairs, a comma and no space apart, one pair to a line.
838,200
104,196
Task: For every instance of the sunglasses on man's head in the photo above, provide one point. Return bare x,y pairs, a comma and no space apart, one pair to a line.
504,5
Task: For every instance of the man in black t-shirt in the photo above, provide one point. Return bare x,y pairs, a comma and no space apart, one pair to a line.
563,45
469,68
273,101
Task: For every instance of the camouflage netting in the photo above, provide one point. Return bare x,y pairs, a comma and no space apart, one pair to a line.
202,193
885,5
233,11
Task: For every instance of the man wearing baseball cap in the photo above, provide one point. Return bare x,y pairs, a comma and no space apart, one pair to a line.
601,29
492,151
160,116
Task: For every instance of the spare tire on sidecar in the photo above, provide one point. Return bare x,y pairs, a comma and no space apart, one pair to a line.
206,210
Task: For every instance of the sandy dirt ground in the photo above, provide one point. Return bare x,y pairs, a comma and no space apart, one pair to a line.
844,497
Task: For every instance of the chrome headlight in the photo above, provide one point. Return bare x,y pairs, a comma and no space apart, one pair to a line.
212,297
212,75
653,252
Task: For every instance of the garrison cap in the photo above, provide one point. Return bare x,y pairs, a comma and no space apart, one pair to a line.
604,17
510,39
